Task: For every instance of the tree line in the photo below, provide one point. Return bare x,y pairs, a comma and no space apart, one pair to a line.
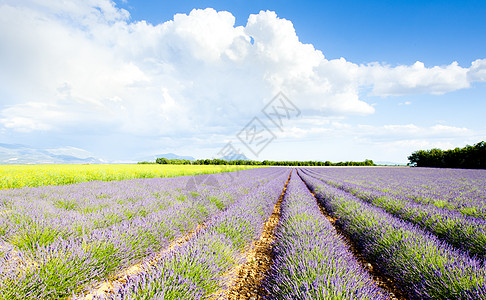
216,161
469,157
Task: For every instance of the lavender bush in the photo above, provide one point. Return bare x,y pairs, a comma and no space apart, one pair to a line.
465,232
57,240
311,261
453,189
421,264
423,227
197,269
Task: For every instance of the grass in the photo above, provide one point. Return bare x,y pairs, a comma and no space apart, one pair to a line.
16,176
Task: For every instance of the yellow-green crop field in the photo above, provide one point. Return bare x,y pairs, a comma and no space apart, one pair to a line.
16,176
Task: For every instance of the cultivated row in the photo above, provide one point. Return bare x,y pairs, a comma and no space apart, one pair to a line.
422,265
199,268
311,260
464,232
453,189
55,241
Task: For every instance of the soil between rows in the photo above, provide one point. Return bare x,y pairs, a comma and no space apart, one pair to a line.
247,277
383,281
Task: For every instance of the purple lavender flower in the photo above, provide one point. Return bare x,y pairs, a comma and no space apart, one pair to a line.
71,236
311,260
422,265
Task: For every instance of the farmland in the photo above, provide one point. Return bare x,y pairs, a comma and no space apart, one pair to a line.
16,176
264,233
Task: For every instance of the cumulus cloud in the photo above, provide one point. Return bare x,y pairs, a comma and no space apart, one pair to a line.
86,64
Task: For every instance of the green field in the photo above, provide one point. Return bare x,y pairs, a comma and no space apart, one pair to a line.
16,176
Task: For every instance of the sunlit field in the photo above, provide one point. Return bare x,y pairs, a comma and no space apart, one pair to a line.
16,176
325,229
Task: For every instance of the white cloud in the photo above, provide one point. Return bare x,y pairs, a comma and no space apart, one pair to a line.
84,64
374,133
415,79
412,132
477,71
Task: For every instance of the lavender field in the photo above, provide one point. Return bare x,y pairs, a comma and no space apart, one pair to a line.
267,233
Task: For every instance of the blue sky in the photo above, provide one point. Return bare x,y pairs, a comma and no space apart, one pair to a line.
397,32
125,80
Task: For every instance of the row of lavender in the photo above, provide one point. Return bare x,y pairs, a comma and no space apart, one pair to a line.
462,231
55,241
199,269
311,260
422,265
453,189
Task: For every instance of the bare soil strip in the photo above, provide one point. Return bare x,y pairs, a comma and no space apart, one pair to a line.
245,279
383,281
106,287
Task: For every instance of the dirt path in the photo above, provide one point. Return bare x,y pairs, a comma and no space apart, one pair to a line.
383,281
244,280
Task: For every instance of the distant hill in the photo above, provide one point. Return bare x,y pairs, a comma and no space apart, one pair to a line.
17,154
174,156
